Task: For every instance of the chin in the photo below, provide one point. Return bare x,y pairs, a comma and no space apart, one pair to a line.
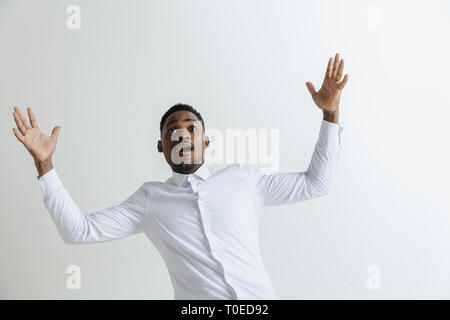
185,167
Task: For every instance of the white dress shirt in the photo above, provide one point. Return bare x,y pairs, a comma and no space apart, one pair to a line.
205,224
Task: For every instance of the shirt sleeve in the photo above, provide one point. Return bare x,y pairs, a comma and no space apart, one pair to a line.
74,227
290,187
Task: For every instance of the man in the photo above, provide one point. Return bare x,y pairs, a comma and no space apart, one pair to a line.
203,221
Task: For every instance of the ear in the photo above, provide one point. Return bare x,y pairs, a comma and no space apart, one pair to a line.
159,146
206,141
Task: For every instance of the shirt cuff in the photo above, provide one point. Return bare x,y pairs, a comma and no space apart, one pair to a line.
330,133
50,182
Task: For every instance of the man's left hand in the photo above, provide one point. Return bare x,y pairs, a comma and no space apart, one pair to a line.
327,98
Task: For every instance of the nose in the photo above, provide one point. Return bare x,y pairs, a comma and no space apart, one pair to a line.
185,136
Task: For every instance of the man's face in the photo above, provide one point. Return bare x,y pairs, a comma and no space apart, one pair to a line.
183,142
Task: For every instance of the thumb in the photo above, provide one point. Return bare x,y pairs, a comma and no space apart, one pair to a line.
55,132
311,88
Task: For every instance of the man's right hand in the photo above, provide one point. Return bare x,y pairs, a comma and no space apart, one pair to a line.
40,146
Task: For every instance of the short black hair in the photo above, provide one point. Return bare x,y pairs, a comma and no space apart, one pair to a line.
180,107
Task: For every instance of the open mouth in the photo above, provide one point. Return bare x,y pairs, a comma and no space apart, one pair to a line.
187,149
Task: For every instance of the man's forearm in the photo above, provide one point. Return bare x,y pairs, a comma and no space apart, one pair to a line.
75,227
331,116
43,166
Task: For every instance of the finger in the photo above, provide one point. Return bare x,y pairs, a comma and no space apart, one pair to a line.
336,61
22,117
19,123
328,73
311,88
339,72
341,85
55,132
18,135
32,117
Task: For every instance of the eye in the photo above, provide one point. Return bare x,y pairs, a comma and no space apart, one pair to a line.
171,130
192,128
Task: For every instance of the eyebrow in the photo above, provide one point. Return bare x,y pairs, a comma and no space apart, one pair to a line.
185,120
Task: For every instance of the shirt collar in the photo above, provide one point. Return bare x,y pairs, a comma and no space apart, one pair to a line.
179,178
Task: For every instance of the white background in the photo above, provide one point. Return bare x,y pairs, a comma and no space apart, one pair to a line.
242,64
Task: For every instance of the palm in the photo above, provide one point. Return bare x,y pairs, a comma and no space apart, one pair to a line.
40,146
328,96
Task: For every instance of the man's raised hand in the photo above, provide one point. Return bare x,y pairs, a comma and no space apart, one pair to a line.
40,146
328,96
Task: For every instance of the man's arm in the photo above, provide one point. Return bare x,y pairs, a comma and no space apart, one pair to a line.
290,187
75,227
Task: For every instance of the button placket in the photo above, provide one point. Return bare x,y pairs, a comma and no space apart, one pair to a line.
207,230
193,183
